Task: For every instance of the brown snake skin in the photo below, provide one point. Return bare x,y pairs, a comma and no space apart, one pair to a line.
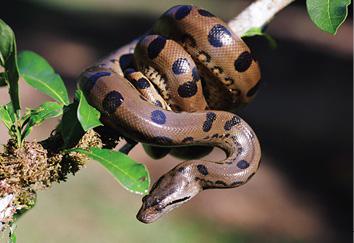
164,101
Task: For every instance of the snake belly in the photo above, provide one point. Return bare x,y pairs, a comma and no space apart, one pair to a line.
187,44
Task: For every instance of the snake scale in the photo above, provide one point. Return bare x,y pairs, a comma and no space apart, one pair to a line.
167,88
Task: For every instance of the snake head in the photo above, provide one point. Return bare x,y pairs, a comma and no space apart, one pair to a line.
169,192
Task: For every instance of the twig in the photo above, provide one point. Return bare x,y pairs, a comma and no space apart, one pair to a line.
257,15
127,147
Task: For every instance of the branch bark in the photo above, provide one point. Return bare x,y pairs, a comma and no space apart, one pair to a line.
257,15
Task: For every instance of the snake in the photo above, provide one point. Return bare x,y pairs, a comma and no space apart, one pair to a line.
177,85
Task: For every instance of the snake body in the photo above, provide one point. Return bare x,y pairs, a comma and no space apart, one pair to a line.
151,91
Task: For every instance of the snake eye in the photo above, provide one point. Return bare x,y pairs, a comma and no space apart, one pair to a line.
159,207
158,200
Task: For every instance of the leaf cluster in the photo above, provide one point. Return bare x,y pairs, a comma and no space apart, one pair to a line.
77,117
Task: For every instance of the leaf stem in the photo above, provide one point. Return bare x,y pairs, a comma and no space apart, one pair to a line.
127,147
18,131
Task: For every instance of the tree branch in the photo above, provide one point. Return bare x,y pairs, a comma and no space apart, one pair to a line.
257,15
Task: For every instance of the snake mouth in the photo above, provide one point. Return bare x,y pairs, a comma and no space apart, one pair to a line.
150,214
147,215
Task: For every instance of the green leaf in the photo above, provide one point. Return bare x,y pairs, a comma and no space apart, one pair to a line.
252,32
8,59
43,112
37,72
255,31
328,15
12,238
130,174
7,115
7,39
70,127
12,235
88,116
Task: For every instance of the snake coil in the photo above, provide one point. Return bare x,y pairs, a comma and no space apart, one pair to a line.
167,89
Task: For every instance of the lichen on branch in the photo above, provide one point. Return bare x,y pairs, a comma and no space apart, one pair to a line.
35,166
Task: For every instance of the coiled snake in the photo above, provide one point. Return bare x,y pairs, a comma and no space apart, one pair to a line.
160,90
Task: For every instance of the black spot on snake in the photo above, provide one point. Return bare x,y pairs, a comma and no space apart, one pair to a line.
187,139
236,183
205,183
129,71
181,169
215,135
182,12
243,62
187,89
202,169
195,74
187,39
91,81
180,66
218,182
210,118
253,90
158,117
219,36
239,149
242,164
141,83
162,140
156,46
126,61
205,13
229,124
158,103
112,101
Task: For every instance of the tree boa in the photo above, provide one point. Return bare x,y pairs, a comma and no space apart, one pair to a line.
167,88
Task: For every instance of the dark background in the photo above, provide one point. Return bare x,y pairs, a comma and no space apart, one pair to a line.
302,116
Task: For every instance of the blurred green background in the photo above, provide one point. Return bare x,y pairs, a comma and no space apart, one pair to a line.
302,115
